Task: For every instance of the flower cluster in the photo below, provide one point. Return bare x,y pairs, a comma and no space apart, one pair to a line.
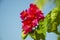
30,18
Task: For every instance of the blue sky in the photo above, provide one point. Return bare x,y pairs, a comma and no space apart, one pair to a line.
10,23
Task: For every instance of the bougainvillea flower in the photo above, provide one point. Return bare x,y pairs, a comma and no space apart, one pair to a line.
23,15
30,18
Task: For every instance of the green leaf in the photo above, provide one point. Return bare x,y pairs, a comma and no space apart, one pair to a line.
42,29
33,34
23,35
48,22
37,36
53,20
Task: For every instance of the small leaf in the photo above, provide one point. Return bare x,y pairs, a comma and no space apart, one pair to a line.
33,34
24,35
37,36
